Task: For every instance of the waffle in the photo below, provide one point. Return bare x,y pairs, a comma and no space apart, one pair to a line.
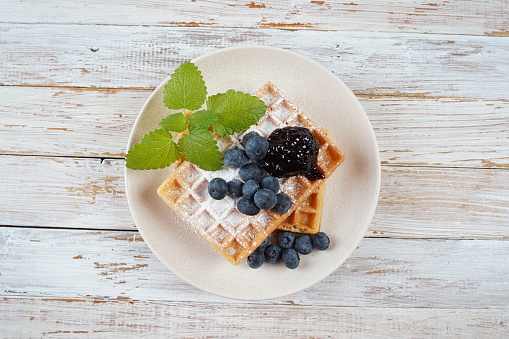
232,234
306,217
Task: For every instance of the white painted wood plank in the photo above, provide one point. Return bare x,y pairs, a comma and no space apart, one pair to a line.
440,131
409,130
63,192
369,63
38,317
475,17
67,121
380,273
442,203
414,202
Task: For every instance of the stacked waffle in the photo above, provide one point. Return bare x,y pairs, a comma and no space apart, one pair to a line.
218,222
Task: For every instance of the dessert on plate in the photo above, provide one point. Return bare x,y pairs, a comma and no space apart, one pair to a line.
244,167
219,222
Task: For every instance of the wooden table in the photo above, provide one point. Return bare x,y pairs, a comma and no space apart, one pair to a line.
433,78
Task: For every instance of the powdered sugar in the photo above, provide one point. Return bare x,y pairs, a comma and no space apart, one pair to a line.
218,221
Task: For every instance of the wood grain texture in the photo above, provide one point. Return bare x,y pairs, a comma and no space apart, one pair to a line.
39,317
474,17
440,132
63,192
67,122
414,202
73,76
410,131
380,273
369,63
442,203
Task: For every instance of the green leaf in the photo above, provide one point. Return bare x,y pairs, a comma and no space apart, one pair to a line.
174,122
185,89
222,130
236,111
202,118
155,150
200,148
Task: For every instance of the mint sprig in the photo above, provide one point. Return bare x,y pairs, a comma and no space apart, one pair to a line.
226,113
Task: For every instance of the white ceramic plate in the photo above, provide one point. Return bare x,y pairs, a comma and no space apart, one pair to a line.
351,194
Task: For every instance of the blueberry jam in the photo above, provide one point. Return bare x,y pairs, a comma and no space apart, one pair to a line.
292,151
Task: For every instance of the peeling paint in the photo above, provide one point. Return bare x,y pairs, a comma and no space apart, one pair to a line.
502,32
95,189
186,24
117,267
68,300
286,26
252,4
127,239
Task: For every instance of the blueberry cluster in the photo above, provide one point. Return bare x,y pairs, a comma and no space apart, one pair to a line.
255,190
287,248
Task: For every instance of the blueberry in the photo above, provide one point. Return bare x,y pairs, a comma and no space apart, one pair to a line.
256,147
285,239
250,171
303,244
270,182
321,241
265,199
247,206
256,258
235,188
235,157
273,254
265,243
248,136
250,188
283,203
218,188
290,258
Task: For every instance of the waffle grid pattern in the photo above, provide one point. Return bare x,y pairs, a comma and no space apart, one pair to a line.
306,218
218,222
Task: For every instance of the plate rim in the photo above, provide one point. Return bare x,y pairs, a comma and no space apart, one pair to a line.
365,117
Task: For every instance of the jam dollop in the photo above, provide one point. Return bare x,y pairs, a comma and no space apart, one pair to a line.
292,151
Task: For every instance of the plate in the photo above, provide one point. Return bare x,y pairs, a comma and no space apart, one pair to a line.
351,193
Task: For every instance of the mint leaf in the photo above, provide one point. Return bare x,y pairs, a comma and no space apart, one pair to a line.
202,118
155,150
185,89
222,130
200,148
174,122
236,111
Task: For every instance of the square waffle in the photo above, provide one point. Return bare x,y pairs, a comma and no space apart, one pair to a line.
218,222
306,217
